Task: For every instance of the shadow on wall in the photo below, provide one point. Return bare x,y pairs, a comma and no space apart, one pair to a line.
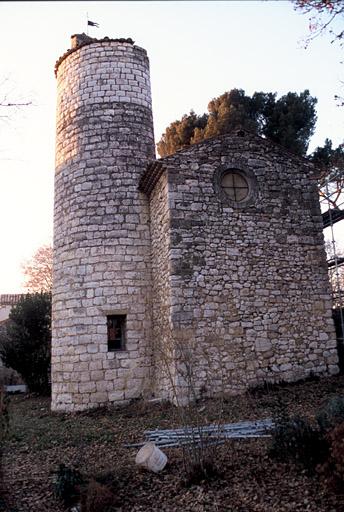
338,315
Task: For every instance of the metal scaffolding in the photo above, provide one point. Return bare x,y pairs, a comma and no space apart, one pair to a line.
330,196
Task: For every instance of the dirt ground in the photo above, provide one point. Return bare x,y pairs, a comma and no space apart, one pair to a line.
247,480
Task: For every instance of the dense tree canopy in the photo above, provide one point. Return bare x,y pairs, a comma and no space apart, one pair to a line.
289,120
25,344
180,134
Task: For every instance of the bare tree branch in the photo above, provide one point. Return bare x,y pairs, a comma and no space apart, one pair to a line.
323,13
38,271
10,101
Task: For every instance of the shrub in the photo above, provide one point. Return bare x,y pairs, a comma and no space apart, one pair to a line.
98,497
109,479
67,483
296,439
196,473
331,413
333,469
26,343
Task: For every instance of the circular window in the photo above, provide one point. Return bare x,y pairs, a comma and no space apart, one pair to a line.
235,186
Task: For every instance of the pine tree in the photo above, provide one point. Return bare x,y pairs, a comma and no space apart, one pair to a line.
289,121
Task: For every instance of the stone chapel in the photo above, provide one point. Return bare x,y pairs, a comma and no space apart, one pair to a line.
206,267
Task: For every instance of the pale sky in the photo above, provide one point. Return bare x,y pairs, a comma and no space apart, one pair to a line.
197,51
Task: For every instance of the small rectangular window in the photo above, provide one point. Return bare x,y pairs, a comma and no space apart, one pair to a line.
116,332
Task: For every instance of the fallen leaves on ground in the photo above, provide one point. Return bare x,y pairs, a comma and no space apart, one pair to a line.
248,480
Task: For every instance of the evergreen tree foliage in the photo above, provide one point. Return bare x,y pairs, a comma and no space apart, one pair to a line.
289,121
25,345
328,157
292,121
179,134
330,162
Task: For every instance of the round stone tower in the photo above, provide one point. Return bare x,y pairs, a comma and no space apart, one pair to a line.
101,293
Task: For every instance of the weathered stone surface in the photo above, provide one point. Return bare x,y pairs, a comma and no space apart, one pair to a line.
222,293
101,231
249,282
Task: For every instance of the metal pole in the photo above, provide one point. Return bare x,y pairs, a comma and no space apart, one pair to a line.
337,277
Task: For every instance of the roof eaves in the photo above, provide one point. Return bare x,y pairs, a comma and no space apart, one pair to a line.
151,176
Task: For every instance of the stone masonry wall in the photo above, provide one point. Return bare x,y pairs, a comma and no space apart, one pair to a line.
161,288
239,293
101,229
249,286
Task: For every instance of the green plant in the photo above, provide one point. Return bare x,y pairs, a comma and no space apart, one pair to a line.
67,483
331,413
296,439
25,344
